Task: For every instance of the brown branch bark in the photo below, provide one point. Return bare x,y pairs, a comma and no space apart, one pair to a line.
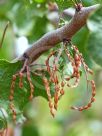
50,39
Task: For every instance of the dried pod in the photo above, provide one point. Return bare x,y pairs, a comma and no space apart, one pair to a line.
30,83
47,87
20,79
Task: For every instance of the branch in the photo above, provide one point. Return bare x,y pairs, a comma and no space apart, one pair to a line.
50,39
68,12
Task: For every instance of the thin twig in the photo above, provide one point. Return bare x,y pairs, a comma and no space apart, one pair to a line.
2,39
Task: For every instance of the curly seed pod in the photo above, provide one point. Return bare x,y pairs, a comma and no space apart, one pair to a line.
53,74
12,87
92,99
20,79
75,64
47,87
56,96
12,107
62,86
61,90
47,61
82,60
30,83
56,82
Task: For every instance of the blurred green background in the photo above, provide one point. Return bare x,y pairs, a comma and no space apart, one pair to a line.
29,20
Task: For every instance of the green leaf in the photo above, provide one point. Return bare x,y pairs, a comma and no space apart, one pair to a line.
29,129
94,42
40,1
63,4
21,96
97,1
3,121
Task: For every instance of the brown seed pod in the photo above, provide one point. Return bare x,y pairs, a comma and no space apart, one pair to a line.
20,75
20,79
53,74
30,83
75,62
12,87
92,99
82,60
78,61
12,107
56,96
47,87
62,90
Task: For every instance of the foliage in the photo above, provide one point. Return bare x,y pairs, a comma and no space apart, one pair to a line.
94,41
8,69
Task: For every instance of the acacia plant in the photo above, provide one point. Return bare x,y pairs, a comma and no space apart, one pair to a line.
26,78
